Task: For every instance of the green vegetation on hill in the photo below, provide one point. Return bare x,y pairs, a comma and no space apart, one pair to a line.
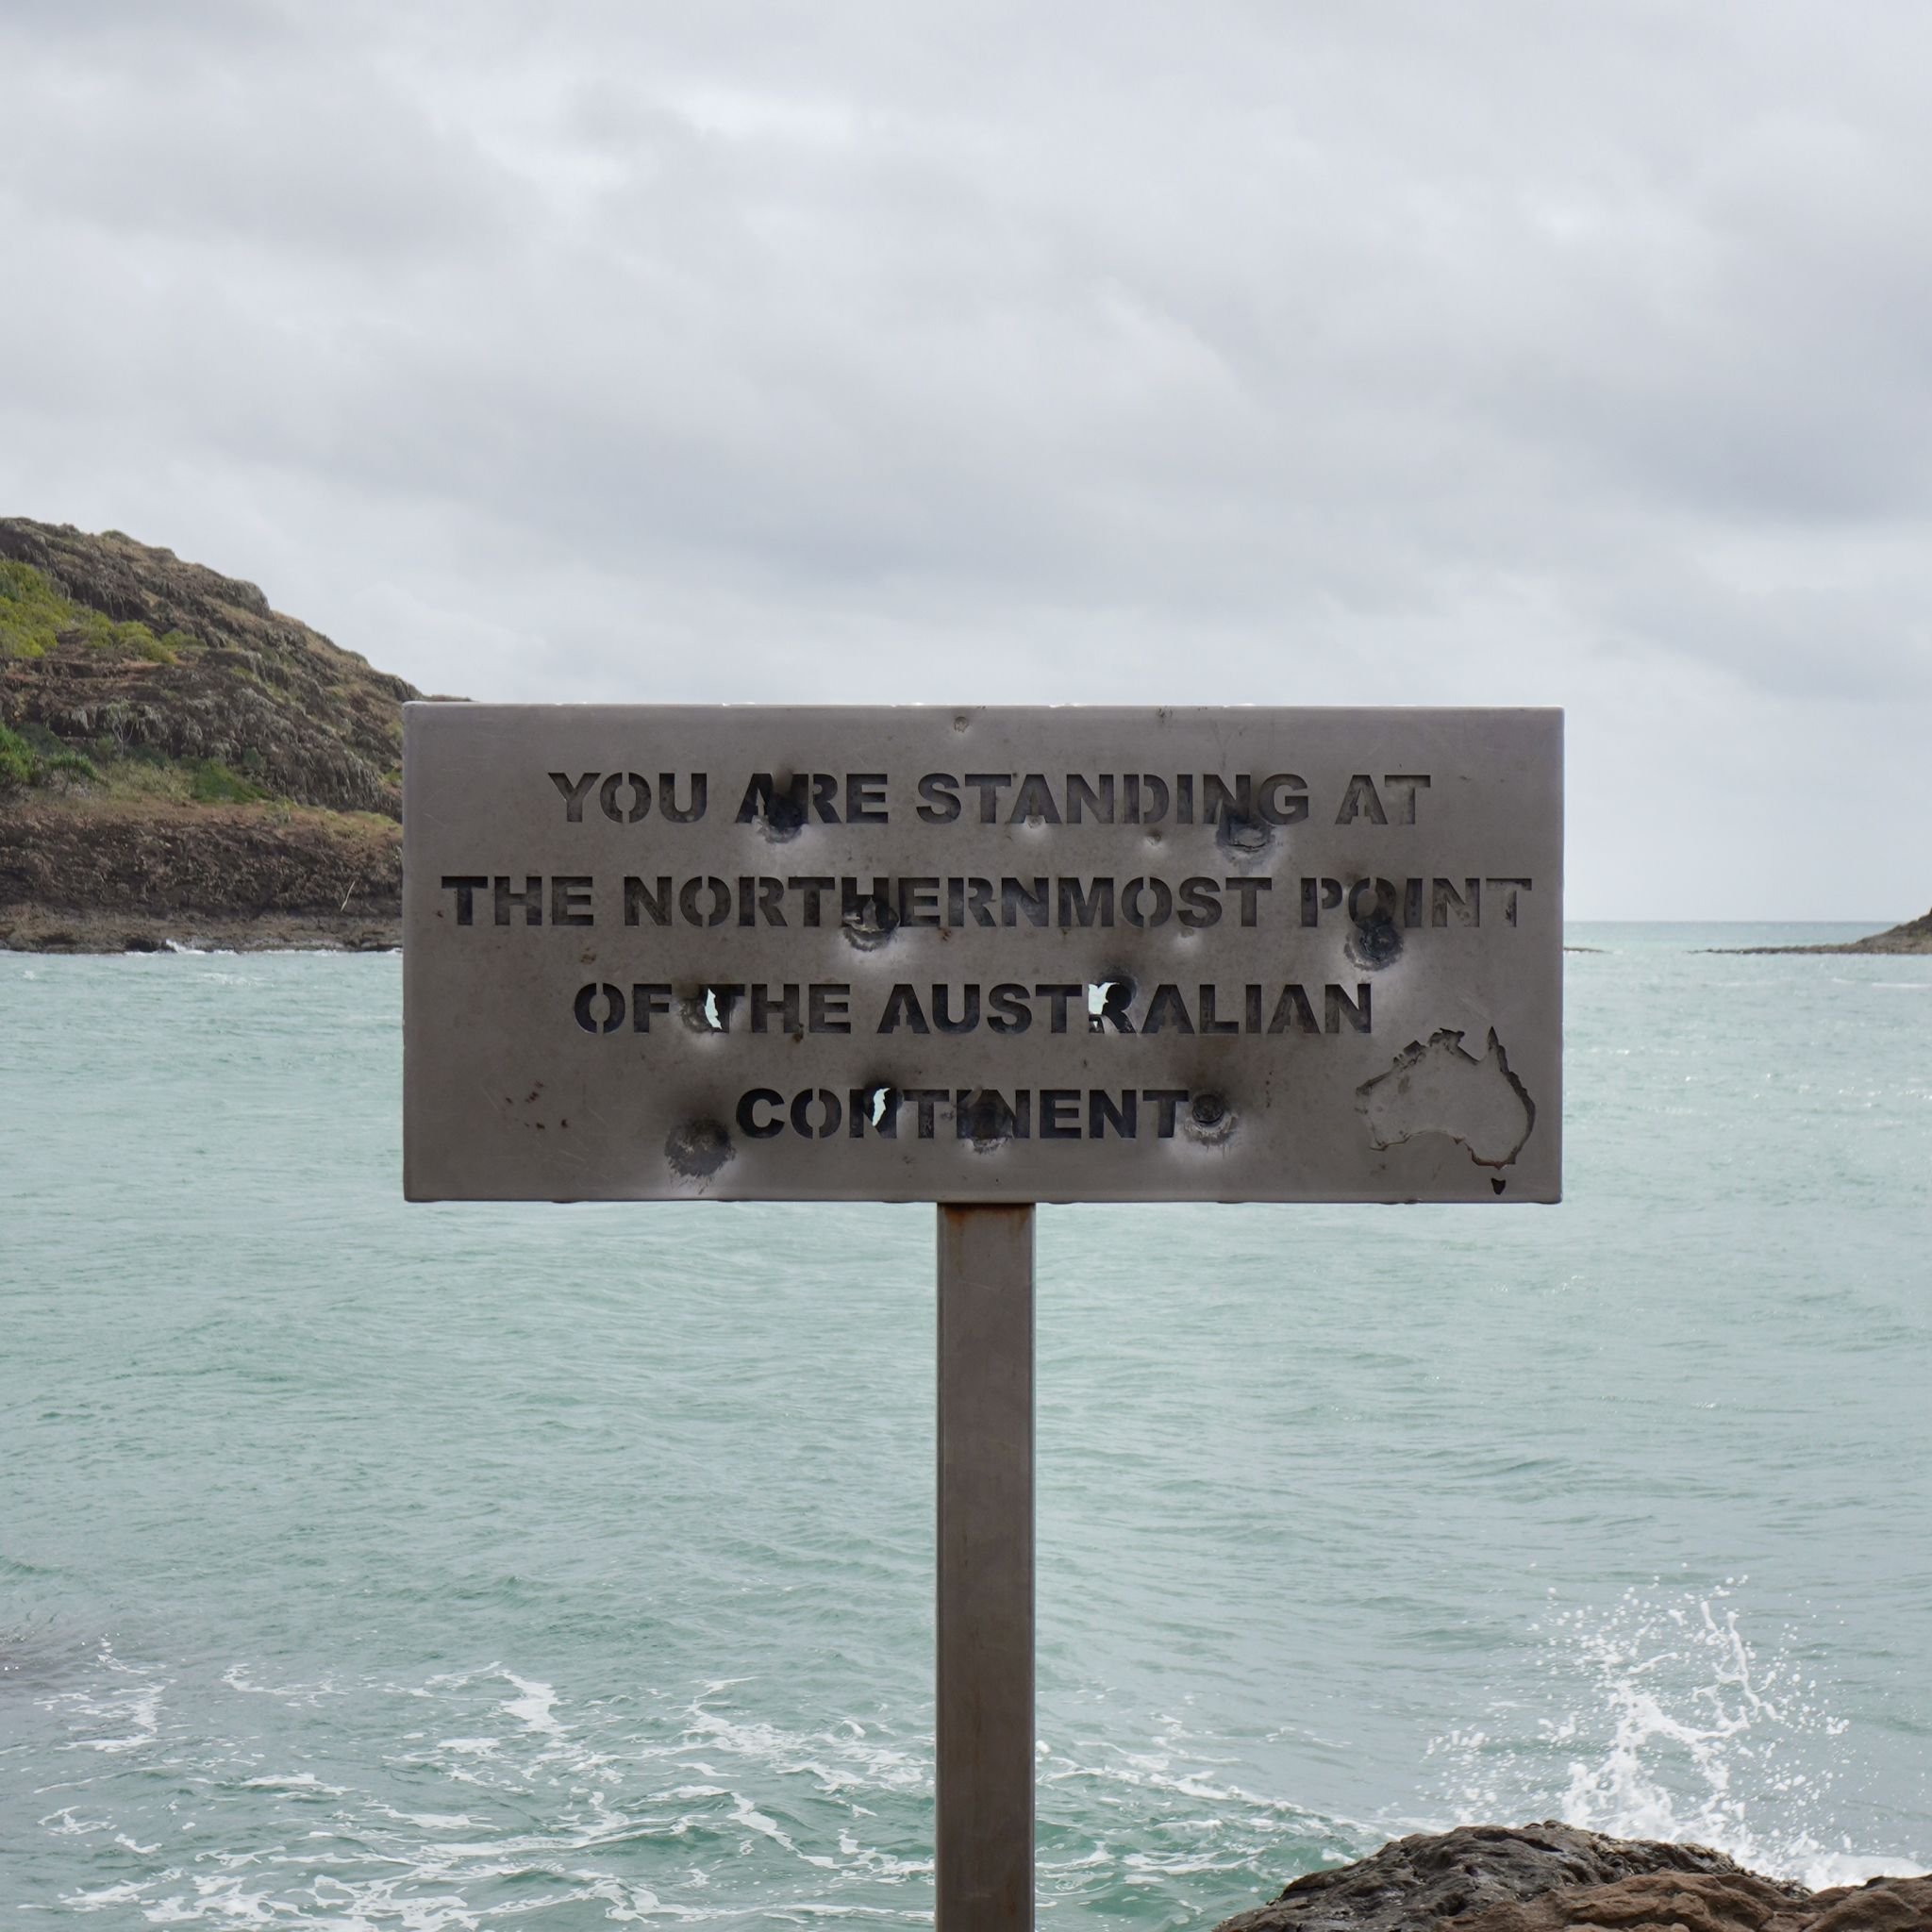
133,675
24,761
36,616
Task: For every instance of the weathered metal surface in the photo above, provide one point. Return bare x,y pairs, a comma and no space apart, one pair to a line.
984,1777
931,954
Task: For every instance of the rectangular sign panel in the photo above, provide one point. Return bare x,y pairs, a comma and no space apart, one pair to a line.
745,953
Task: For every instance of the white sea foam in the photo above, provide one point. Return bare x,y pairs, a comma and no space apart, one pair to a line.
107,1895
64,1824
790,1797
858,1759
304,1782
533,1705
237,1678
1666,1723
135,1702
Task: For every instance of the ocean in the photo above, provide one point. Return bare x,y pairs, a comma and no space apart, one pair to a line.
369,1566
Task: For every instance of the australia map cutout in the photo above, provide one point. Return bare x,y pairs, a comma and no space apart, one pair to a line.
1440,1088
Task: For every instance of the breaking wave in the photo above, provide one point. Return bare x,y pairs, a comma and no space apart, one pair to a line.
1664,1721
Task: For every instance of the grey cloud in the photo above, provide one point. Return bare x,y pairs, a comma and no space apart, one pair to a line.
867,350
280,148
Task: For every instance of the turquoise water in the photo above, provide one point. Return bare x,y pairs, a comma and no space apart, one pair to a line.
373,1566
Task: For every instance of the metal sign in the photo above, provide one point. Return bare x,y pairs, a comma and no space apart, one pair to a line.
663,953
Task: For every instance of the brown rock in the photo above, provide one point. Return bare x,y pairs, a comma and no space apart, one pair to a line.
1415,1883
1555,1878
1885,1905
1656,1901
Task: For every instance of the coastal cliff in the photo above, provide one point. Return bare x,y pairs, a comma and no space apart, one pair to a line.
179,763
1555,1878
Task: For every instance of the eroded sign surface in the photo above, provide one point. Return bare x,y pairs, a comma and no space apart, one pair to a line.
742,953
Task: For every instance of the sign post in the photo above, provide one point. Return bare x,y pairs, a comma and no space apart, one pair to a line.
984,1854
982,958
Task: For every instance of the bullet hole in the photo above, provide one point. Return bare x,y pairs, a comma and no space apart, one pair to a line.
698,1149
708,1009
870,923
1208,1119
962,721
874,1101
781,817
1242,838
1373,908
1498,1183
1373,943
986,1120
1107,1001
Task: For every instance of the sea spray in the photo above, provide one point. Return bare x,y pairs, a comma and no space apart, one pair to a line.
1664,1721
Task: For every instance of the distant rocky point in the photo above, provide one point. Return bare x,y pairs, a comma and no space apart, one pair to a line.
1555,1878
180,763
1914,936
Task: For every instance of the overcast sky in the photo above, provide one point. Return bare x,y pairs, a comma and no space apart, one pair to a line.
1270,354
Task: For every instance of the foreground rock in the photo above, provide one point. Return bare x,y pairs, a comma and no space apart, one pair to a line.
1914,936
1551,1877
179,763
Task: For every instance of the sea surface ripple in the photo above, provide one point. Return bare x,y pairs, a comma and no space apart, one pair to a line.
365,1566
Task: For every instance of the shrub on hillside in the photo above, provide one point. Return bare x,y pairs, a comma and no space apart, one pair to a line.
22,764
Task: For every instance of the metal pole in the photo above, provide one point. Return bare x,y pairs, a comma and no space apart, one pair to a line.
984,1832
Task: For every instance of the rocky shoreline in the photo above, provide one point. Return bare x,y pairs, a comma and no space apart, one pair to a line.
1555,1878
44,929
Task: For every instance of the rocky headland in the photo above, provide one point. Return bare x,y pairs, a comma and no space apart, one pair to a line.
1555,1878
181,764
